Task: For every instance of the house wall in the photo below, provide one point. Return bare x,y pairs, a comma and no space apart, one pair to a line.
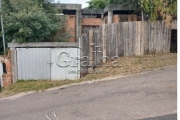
7,77
71,27
116,19
126,18
94,22
91,21
123,18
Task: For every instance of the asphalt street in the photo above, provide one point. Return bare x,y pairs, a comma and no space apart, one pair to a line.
149,96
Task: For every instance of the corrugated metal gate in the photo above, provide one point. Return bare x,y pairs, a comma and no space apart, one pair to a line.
48,63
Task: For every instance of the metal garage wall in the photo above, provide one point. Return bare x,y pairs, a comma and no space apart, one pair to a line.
48,63
65,63
33,63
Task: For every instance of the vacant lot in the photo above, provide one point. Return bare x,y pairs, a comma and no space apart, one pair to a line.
127,65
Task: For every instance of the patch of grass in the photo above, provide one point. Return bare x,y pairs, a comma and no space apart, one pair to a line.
129,65
136,64
31,85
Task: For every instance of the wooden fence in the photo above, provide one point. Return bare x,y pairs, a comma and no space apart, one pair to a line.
126,39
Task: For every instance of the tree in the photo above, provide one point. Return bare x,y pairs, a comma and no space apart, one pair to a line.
31,21
154,9
115,1
97,4
101,4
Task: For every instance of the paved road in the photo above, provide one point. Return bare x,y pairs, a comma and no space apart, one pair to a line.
149,96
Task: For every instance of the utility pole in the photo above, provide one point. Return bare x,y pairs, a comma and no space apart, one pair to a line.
2,26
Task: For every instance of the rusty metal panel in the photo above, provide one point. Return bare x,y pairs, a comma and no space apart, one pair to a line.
65,64
33,63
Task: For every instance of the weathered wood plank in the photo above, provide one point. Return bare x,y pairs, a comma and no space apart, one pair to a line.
90,46
104,42
163,34
125,38
134,38
142,37
113,40
146,41
85,54
154,37
130,38
138,38
121,40
99,46
169,40
160,38
109,39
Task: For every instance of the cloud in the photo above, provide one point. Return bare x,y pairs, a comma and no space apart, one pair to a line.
83,2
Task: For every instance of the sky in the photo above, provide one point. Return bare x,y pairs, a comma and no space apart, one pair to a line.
83,2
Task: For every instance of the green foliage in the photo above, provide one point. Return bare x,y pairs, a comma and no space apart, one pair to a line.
159,8
97,4
115,1
153,9
31,20
101,4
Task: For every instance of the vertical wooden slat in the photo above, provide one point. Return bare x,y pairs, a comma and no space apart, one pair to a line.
125,38
169,40
113,41
163,34
121,40
150,37
134,38
109,39
138,38
130,38
146,43
100,44
104,41
154,38
117,31
90,46
118,40
160,37
85,53
142,37
94,47
157,37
